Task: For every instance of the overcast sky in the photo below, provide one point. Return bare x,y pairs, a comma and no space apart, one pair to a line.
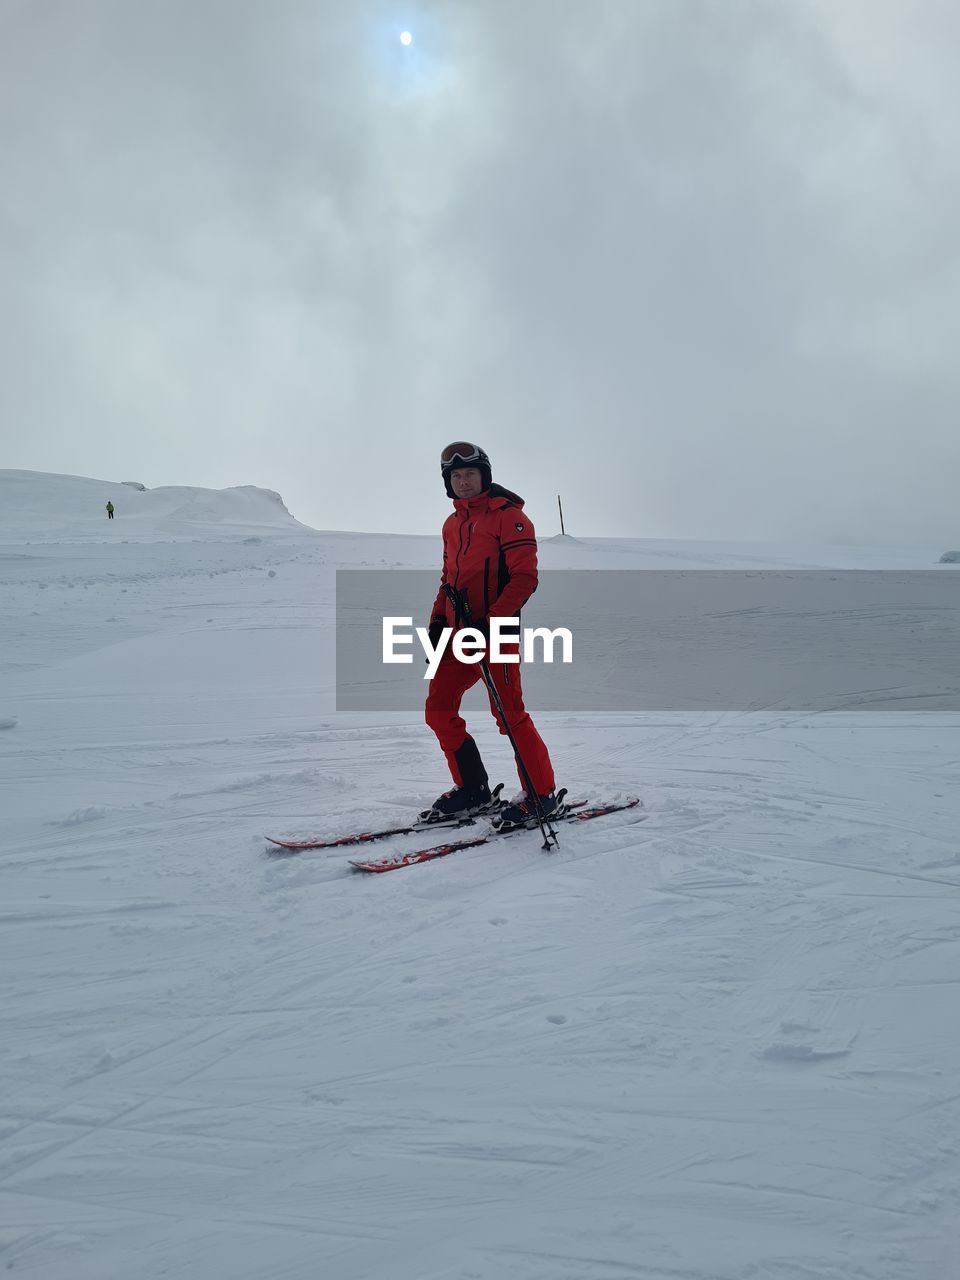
692,264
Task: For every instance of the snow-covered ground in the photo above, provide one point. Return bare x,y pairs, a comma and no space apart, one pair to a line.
720,1043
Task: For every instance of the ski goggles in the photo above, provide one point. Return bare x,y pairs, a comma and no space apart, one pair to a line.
461,454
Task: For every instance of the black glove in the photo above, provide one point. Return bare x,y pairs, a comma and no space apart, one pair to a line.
435,630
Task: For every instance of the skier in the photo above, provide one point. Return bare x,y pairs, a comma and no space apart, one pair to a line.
490,558
109,510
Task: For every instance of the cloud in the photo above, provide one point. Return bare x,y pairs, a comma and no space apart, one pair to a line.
693,264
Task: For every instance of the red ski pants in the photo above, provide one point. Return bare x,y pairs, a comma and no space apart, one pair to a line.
442,714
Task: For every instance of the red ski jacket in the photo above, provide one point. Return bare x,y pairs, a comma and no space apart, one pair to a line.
489,551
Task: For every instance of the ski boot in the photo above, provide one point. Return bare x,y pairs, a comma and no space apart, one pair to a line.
460,802
471,796
522,813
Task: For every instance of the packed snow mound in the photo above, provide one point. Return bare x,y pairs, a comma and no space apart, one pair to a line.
43,507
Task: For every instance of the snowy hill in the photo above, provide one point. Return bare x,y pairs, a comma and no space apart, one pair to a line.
45,507
716,1043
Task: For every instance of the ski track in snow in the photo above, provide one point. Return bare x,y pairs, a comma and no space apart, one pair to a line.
719,1043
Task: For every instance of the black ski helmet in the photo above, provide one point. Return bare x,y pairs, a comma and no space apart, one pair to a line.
460,454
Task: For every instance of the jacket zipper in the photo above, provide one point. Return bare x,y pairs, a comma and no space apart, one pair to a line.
456,564
461,549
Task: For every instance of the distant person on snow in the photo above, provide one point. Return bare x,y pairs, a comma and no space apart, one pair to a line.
109,510
490,558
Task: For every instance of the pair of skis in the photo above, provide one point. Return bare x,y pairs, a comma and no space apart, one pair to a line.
566,811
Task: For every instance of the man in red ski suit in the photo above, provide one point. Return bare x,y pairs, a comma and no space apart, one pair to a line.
490,559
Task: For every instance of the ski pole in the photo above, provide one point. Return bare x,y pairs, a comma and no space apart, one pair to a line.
461,610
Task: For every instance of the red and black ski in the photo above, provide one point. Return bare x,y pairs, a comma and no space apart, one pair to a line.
422,823
575,811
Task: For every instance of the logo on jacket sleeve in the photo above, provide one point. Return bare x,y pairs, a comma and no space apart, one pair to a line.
519,526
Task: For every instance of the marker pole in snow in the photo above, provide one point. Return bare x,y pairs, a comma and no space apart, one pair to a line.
560,505
462,613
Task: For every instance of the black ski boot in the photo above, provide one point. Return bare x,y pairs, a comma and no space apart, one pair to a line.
473,793
461,801
521,813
